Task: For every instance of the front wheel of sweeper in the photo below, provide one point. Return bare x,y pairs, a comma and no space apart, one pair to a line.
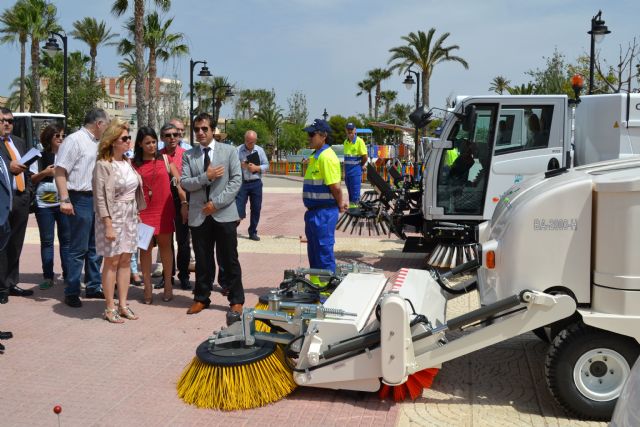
586,369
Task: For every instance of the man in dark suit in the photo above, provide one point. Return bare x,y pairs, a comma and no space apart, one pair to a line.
6,194
12,149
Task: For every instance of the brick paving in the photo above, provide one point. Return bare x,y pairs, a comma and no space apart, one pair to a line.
104,374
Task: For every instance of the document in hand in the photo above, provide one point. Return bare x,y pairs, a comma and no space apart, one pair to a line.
254,158
30,157
145,234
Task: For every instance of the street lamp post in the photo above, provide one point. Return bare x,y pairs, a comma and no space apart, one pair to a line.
325,115
204,72
408,82
51,48
214,90
598,31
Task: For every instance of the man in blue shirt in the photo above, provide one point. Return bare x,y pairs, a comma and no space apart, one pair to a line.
254,163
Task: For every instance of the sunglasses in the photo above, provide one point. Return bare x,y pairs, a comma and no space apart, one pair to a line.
172,135
10,121
125,138
204,129
59,135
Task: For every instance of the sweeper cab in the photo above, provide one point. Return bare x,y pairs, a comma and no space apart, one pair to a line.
558,256
489,143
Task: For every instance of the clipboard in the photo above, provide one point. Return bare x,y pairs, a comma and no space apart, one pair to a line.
254,158
30,157
145,234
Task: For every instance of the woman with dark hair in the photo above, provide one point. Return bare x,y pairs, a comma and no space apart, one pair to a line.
117,198
48,206
158,174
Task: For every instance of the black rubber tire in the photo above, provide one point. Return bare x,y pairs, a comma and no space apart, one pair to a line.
567,348
542,334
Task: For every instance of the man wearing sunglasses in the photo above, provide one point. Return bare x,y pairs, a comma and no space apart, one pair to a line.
170,136
75,162
12,149
322,196
179,127
211,174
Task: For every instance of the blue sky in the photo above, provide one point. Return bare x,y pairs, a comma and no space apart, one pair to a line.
323,48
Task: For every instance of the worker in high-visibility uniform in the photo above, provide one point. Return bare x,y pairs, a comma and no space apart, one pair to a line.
323,199
355,157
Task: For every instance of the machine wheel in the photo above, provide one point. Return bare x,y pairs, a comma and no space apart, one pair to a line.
586,369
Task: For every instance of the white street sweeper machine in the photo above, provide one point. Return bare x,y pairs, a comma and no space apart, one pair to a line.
559,256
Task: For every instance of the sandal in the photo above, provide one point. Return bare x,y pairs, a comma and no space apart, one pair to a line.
111,315
134,281
127,313
166,298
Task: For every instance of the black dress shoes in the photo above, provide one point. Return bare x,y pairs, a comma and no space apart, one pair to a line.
94,295
4,298
254,237
73,301
5,335
16,291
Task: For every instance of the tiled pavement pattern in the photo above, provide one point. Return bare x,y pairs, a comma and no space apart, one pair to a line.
103,374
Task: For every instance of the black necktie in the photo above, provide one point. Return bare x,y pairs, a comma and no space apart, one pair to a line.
207,161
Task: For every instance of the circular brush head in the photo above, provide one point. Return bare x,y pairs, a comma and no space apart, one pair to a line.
233,376
292,296
412,388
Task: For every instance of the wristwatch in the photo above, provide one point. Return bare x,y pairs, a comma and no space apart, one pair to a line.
65,200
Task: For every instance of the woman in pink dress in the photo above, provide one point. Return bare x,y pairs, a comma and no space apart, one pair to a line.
157,177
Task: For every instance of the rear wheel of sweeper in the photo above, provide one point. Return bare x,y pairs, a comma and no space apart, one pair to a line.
586,369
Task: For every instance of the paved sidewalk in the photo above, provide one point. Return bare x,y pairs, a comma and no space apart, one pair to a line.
103,374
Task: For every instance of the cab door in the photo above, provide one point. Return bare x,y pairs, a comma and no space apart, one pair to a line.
529,140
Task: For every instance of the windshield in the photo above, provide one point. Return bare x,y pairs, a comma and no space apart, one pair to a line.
464,169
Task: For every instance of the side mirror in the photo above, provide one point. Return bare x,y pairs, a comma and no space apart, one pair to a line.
469,119
420,117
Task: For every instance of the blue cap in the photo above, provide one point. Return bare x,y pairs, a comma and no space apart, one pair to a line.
350,126
318,125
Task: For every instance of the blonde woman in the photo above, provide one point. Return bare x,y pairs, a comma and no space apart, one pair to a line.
118,198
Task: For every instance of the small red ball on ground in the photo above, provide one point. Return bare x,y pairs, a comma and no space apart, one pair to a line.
57,409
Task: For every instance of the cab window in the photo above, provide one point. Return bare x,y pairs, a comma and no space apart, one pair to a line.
523,128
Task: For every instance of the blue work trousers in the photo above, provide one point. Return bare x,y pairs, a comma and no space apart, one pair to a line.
320,229
353,181
82,250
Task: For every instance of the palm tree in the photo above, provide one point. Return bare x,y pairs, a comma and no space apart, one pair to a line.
162,46
499,84
202,91
128,71
244,106
15,28
119,8
388,96
271,115
41,18
220,96
93,33
366,86
523,89
425,55
377,75
21,94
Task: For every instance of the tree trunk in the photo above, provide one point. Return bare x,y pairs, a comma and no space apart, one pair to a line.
92,72
425,89
35,75
138,14
153,107
377,99
23,60
216,111
370,104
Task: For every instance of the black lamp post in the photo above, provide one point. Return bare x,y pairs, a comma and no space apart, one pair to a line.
598,31
51,48
325,115
204,72
214,90
408,82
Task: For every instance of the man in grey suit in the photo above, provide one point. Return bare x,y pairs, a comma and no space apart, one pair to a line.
211,174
